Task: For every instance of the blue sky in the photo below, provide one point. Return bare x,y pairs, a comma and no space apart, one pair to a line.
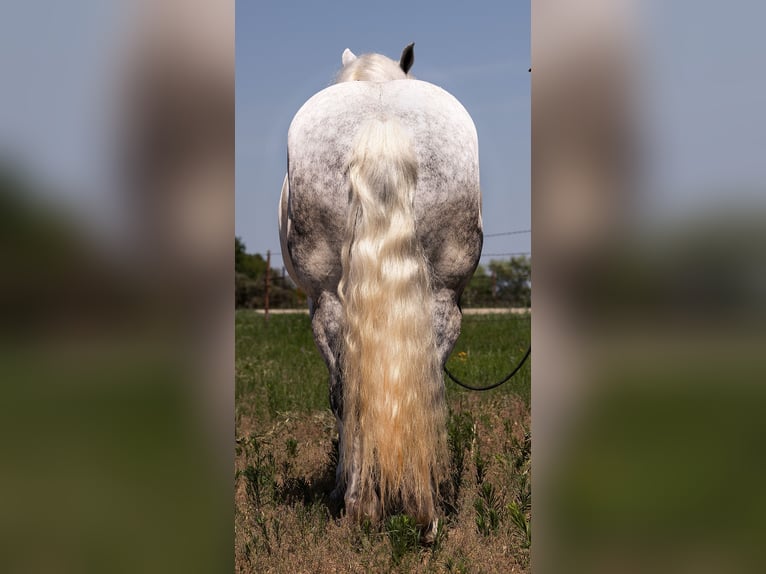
286,51
703,86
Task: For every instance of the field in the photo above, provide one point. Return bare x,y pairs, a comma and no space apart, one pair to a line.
287,444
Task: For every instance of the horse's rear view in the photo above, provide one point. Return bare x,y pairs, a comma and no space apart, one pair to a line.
380,223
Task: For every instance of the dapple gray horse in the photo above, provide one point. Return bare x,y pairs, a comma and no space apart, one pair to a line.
380,224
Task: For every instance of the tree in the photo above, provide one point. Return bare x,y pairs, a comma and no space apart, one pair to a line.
507,284
478,293
239,253
250,282
251,266
513,284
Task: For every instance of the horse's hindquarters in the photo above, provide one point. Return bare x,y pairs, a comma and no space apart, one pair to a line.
447,197
385,344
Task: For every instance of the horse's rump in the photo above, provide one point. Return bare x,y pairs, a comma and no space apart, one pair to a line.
447,196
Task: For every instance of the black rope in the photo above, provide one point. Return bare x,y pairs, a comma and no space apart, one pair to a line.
505,380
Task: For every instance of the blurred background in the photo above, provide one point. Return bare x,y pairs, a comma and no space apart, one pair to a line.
117,194
648,213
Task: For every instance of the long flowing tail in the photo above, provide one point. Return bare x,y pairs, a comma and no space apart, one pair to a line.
393,404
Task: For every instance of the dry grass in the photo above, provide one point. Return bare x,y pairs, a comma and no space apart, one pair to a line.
285,521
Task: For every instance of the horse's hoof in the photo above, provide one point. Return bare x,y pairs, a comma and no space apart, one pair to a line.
428,535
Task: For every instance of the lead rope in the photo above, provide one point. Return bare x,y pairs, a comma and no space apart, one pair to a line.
495,385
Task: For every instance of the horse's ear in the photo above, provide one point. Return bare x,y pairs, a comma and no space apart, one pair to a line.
347,57
408,58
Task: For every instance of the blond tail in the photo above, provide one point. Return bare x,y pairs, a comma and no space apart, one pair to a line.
394,411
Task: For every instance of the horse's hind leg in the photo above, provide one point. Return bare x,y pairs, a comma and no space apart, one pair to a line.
446,323
326,322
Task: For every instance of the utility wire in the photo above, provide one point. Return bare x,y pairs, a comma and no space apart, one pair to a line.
506,254
518,232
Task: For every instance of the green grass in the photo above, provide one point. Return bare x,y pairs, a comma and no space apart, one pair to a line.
489,347
102,464
279,369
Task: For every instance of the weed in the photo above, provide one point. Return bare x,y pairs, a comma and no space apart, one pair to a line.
439,537
488,507
519,508
461,431
523,450
525,492
519,519
276,526
366,527
259,477
260,520
457,565
313,520
404,535
292,447
481,467
365,536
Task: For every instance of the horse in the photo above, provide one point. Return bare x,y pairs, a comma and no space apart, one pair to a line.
380,225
